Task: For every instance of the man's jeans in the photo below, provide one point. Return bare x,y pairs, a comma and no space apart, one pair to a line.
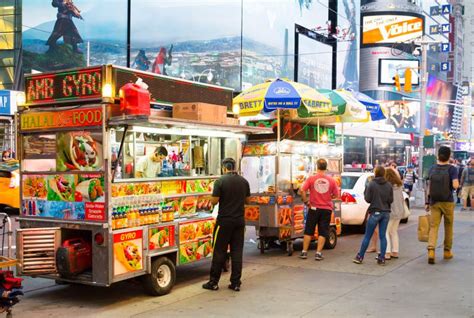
376,218
439,209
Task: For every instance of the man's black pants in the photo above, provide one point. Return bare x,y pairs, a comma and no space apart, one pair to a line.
225,235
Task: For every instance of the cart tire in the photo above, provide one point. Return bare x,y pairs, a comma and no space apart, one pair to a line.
289,248
331,242
261,245
162,277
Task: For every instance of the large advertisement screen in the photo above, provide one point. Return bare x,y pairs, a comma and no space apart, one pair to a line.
314,63
440,104
391,28
388,68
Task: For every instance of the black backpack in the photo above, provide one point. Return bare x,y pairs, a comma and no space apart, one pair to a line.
440,184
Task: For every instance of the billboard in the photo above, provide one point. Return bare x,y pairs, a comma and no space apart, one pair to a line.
441,97
314,70
403,116
391,27
388,68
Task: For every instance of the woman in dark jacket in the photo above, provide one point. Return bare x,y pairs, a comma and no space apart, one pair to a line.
379,194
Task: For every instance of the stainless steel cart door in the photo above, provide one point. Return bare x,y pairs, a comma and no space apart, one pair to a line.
36,250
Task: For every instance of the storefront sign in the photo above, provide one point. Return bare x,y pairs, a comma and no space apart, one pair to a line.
128,252
7,102
68,118
64,86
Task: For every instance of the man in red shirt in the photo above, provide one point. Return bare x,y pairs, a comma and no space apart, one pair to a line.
322,189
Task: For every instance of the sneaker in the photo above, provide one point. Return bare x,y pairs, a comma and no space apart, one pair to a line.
431,256
304,255
210,286
318,257
448,254
234,287
358,259
381,261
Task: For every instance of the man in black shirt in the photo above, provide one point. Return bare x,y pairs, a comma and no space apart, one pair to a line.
232,192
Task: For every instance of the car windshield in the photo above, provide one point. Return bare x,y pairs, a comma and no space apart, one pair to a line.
348,182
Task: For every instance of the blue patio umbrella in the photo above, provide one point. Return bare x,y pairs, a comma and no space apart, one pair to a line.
373,107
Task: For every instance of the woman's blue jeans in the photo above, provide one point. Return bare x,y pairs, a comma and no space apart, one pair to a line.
376,218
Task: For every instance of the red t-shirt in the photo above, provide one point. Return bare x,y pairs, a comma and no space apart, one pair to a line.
322,188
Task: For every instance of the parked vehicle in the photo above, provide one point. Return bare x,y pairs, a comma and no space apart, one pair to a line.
10,190
354,207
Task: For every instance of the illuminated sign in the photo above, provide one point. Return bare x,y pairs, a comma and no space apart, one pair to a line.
68,118
74,85
390,28
295,131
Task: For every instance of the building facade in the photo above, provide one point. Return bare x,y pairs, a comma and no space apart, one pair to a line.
10,42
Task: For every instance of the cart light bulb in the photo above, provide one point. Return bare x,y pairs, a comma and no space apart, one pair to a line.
107,91
236,109
99,239
21,99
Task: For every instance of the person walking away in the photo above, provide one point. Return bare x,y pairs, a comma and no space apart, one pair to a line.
467,184
379,195
322,189
460,166
232,192
396,214
409,179
442,181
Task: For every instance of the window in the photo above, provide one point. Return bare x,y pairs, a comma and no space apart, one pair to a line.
6,58
348,182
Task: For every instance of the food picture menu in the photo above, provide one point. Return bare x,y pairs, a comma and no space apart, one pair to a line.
128,252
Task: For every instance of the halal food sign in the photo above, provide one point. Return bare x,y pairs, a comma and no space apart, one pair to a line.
83,84
68,118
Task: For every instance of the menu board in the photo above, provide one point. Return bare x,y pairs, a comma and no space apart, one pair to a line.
64,196
39,146
195,239
128,252
79,150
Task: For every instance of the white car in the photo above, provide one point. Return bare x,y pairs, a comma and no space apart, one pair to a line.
354,207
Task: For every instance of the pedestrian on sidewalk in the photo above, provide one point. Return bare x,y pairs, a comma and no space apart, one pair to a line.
322,189
396,214
409,179
379,195
232,192
442,181
467,184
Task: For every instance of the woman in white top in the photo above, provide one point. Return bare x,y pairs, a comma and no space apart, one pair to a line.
397,211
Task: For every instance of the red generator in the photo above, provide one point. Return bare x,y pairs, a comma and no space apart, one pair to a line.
135,99
74,257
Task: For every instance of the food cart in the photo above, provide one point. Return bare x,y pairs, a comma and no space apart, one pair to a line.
277,211
87,215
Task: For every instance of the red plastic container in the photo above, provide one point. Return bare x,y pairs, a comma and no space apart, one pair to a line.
134,100
74,257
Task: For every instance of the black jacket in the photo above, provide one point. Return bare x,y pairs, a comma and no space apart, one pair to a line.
379,194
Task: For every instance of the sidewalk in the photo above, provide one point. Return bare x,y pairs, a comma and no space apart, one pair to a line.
276,285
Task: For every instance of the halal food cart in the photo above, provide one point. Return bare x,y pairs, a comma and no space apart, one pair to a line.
87,215
275,177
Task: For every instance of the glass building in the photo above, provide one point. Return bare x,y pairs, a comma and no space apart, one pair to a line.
10,41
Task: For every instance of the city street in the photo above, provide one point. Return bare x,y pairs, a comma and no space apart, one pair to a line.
276,285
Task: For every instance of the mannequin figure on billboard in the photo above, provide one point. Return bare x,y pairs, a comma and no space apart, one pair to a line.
64,26
161,60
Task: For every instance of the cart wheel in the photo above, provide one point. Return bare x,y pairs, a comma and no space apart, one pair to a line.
331,242
261,245
289,248
162,277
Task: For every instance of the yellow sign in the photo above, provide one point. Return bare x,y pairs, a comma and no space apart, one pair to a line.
61,119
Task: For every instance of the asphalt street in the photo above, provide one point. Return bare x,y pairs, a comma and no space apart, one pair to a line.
275,285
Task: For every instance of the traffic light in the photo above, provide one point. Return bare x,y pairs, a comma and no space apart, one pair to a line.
396,78
407,86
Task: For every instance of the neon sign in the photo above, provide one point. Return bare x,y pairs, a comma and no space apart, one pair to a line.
64,86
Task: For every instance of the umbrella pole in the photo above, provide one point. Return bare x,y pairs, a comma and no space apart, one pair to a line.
277,161
342,142
318,132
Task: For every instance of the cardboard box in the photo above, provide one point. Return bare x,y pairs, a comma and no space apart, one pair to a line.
201,112
232,121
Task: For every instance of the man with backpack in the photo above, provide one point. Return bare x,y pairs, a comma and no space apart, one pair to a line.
467,184
442,181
